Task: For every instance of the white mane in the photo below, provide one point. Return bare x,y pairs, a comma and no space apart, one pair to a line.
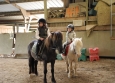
77,43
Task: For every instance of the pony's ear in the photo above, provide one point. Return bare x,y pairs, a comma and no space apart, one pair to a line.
80,38
52,33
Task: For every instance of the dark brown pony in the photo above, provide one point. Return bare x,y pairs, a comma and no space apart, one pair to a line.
53,42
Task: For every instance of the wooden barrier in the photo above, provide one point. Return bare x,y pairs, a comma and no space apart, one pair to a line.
5,44
22,41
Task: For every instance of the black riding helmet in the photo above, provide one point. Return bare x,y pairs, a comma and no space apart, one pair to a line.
42,20
70,26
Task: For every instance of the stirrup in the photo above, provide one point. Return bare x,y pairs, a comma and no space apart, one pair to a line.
39,57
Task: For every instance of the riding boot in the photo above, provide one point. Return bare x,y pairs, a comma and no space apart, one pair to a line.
64,50
38,52
38,47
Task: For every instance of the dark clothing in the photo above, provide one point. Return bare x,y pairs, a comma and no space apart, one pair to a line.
42,32
64,48
40,43
39,47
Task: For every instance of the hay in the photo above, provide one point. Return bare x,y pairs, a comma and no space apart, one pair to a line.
99,5
103,13
108,1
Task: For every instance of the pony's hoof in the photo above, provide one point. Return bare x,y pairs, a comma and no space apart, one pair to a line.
67,71
31,75
36,74
69,76
45,81
74,76
53,81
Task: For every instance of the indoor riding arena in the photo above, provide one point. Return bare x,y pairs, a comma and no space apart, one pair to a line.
89,56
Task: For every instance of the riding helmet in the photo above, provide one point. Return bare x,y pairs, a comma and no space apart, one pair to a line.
42,20
70,26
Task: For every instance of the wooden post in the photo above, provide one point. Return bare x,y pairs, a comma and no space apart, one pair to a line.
17,26
13,45
14,28
25,21
28,26
45,9
66,3
86,12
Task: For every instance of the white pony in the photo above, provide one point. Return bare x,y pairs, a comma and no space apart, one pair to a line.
74,52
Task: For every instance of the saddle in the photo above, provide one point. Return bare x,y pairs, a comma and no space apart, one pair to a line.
67,49
33,51
34,48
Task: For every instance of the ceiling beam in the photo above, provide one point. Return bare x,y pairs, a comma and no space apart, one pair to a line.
7,1
10,13
15,13
15,21
32,12
18,1
66,3
23,11
25,14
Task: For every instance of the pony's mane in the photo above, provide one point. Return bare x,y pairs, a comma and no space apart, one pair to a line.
54,36
76,42
47,41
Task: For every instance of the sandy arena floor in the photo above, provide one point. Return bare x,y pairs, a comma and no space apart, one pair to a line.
16,71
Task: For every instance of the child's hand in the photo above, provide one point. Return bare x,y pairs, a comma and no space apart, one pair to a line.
71,39
41,38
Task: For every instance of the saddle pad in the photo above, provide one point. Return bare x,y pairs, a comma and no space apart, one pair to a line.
33,51
34,48
66,50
